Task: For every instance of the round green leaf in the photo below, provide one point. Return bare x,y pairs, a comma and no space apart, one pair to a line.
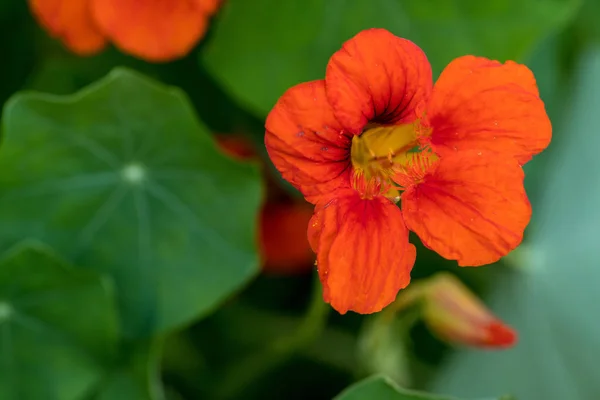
382,388
260,48
551,297
58,326
122,177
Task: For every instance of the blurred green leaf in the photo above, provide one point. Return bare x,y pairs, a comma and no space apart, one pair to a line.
382,388
382,347
67,73
138,378
58,326
551,298
60,72
261,48
123,178
587,22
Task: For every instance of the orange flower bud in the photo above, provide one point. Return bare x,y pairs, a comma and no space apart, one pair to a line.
456,315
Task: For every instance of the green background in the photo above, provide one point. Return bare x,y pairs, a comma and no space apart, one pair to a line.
130,267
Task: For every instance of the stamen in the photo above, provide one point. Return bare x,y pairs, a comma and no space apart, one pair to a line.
370,186
423,132
415,169
383,152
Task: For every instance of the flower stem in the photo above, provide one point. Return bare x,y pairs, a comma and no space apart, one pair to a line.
258,364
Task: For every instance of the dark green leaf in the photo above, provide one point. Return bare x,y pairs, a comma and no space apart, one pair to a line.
58,326
123,178
551,298
261,48
138,378
382,388
17,46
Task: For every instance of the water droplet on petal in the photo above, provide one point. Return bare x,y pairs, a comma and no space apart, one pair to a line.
300,134
324,149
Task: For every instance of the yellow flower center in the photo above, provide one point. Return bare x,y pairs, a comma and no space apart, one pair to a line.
381,153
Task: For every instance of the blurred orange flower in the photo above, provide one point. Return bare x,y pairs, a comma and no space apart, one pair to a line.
375,131
283,221
153,30
456,315
284,244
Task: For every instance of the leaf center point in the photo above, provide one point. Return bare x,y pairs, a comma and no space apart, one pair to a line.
134,173
6,311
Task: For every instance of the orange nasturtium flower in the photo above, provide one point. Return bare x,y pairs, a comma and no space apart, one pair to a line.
376,131
154,30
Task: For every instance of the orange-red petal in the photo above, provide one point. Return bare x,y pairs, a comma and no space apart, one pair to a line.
209,6
70,21
479,104
377,77
471,207
154,30
306,143
363,254
284,244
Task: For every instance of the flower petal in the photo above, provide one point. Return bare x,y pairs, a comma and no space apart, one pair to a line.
71,21
363,254
377,77
479,104
209,6
156,30
305,141
471,207
283,238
